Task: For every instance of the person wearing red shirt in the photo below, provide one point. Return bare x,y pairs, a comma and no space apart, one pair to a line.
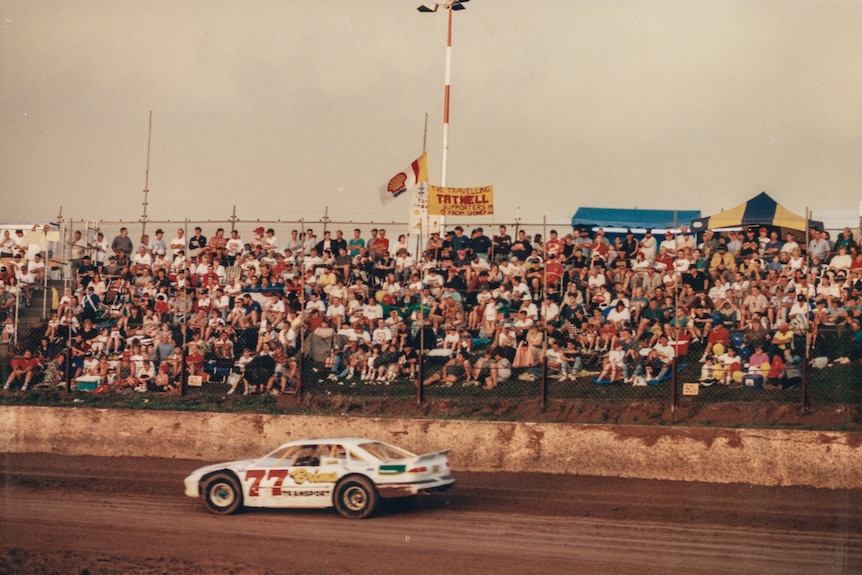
719,334
24,367
553,247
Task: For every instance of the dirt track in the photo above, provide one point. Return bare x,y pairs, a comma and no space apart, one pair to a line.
126,515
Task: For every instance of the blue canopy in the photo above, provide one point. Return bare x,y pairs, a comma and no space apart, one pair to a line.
632,218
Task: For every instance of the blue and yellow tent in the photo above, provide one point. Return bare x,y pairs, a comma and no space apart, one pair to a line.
761,210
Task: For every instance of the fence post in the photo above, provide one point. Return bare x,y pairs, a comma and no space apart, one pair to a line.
543,389
673,380
420,377
806,369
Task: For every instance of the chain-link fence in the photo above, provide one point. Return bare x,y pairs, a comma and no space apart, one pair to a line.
467,324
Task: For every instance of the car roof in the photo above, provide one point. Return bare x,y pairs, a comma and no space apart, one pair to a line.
344,440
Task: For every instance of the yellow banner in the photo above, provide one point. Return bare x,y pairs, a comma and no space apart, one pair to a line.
461,201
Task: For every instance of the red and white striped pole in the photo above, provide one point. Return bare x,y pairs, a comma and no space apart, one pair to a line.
446,90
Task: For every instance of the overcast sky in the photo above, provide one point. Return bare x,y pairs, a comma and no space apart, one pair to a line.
285,107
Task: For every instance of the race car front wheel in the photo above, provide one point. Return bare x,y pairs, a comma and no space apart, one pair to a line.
222,494
355,497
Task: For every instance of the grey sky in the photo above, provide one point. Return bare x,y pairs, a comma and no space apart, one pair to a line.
285,107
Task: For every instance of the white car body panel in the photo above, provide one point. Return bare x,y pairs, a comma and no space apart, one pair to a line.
289,477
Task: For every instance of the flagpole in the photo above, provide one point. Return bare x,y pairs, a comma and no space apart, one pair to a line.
422,191
446,90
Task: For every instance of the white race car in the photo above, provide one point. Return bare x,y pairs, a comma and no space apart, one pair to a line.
348,473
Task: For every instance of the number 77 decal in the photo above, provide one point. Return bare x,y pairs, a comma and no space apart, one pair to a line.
257,475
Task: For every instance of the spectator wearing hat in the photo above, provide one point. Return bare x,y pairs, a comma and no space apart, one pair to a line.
85,272
630,249
649,246
270,242
669,244
750,245
722,264
157,244
581,240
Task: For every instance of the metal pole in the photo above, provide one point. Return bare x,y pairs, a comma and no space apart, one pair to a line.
420,378
673,363
45,271
233,219
147,176
299,353
544,315
182,290
808,324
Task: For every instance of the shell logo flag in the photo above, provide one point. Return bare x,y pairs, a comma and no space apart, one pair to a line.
406,179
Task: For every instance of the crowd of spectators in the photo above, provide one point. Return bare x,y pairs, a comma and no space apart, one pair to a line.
365,306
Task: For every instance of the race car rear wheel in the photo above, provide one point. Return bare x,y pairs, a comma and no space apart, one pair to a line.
355,497
222,494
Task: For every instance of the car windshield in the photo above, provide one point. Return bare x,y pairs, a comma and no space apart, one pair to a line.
281,457
304,455
386,452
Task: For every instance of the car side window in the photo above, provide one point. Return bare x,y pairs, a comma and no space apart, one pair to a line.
280,458
307,456
333,454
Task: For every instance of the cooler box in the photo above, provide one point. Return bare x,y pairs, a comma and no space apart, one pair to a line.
680,346
88,382
752,381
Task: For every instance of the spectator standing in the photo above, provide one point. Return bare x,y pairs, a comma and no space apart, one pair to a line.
122,243
502,246
179,242
196,243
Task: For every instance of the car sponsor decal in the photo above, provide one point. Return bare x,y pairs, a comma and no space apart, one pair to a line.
306,492
301,476
392,469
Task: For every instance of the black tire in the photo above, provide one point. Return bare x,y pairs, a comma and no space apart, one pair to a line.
222,494
355,497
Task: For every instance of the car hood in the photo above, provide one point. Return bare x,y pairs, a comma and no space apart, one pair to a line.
238,465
